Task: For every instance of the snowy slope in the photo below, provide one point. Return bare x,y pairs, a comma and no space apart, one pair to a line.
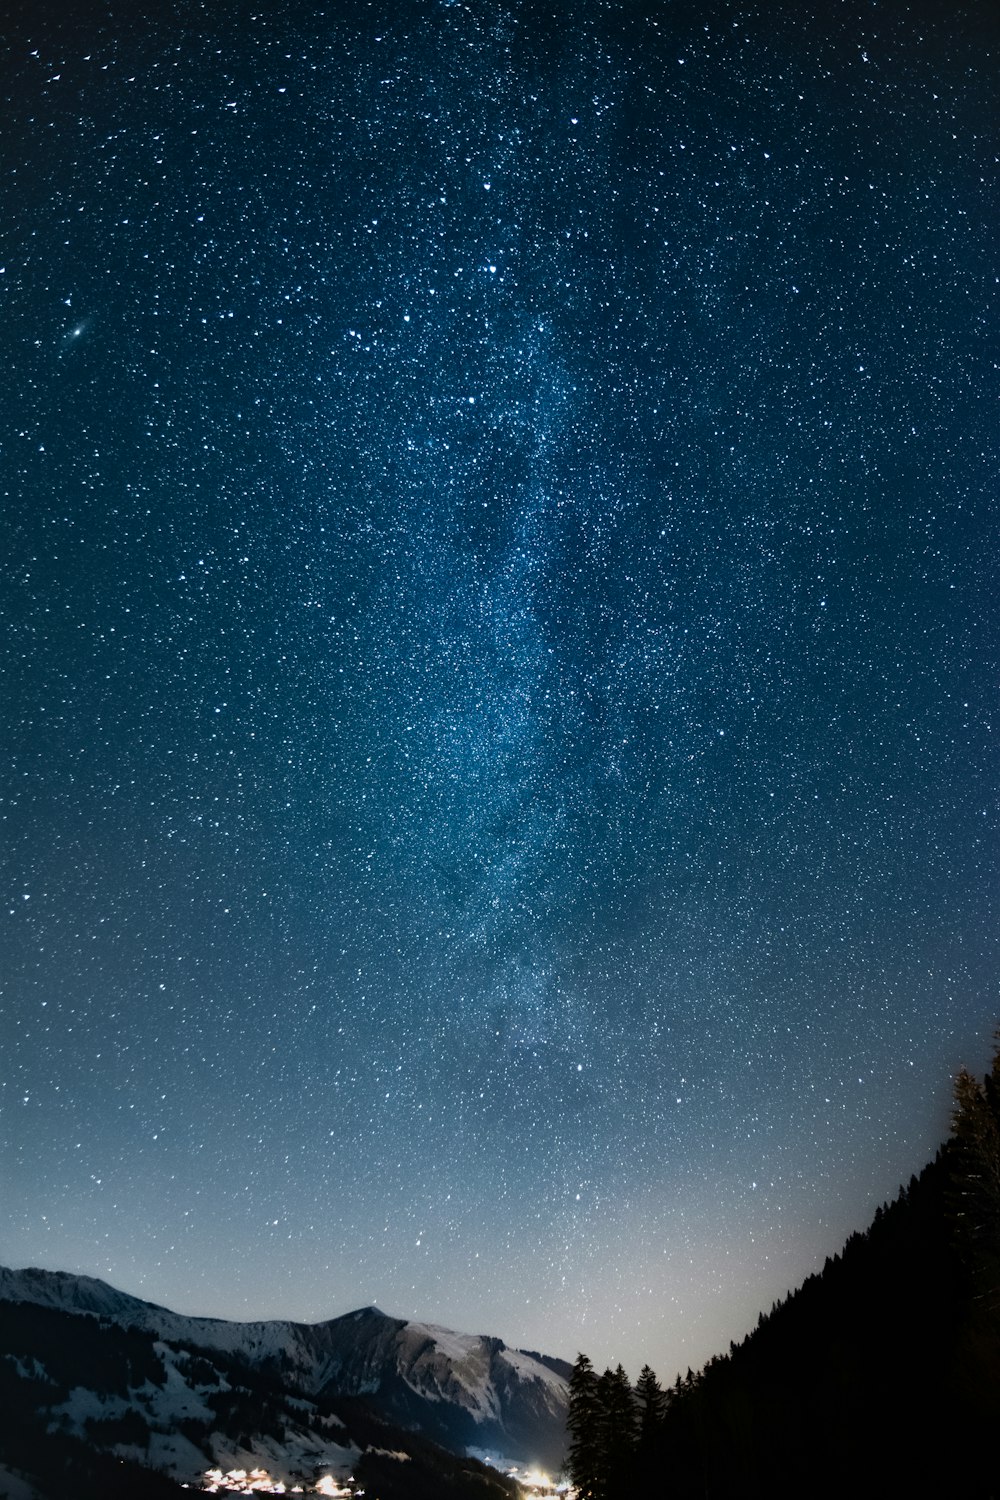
462,1390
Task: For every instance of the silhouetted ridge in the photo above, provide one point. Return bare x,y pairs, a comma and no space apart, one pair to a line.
879,1375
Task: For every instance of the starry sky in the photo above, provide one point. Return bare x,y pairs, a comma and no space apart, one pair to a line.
499,648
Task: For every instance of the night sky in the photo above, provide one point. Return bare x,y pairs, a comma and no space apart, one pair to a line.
499,640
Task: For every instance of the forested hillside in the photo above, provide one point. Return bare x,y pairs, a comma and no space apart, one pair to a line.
880,1373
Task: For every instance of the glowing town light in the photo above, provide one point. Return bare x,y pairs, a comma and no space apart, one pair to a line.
244,1482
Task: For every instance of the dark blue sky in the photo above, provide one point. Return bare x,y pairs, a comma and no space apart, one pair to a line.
500,649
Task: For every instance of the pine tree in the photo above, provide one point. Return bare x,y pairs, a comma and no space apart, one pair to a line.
619,1432
651,1400
584,1422
976,1173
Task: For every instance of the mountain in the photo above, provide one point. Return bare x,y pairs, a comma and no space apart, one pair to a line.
182,1395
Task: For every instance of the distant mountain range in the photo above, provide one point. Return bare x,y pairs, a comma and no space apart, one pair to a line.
180,1395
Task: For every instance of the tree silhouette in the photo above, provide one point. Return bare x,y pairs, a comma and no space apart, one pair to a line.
584,1461
652,1403
975,1129
618,1420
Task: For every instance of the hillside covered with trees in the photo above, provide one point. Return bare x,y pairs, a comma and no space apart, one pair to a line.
880,1373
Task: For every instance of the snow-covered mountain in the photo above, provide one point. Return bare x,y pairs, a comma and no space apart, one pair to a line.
462,1391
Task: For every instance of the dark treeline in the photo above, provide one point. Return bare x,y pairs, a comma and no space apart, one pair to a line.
879,1374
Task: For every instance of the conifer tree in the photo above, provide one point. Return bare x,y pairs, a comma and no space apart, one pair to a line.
976,1174
651,1400
652,1403
618,1414
585,1460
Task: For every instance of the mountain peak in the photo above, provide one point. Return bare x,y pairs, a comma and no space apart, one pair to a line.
464,1391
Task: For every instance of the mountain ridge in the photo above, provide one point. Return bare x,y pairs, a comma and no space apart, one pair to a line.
462,1391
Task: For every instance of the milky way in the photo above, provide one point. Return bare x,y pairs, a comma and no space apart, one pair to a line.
499,650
